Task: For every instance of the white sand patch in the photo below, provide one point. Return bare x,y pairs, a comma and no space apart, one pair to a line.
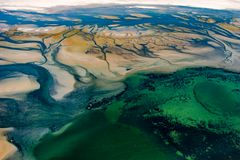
64,81
17,87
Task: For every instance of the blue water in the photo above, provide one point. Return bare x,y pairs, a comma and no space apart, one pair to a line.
88,16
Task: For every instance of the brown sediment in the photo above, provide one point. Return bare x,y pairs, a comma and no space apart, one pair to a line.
6,148
124,51
207,20
229,27
111,54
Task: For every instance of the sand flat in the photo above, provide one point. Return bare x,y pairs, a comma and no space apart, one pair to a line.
7,149
108,17
138,15
19,56
17,86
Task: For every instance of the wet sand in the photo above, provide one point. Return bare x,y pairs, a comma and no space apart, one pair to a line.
17,56
6,148
16,87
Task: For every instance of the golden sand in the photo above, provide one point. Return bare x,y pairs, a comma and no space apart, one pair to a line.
6,148
79,50
229,27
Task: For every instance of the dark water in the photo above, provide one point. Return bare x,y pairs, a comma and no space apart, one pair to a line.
189,114
93,137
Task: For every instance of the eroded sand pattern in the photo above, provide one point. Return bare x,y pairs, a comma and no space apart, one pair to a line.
120,82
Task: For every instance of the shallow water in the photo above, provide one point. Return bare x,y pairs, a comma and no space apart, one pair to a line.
93,137
159,116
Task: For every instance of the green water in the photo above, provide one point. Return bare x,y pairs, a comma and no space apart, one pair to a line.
191,114
216,98
93,137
